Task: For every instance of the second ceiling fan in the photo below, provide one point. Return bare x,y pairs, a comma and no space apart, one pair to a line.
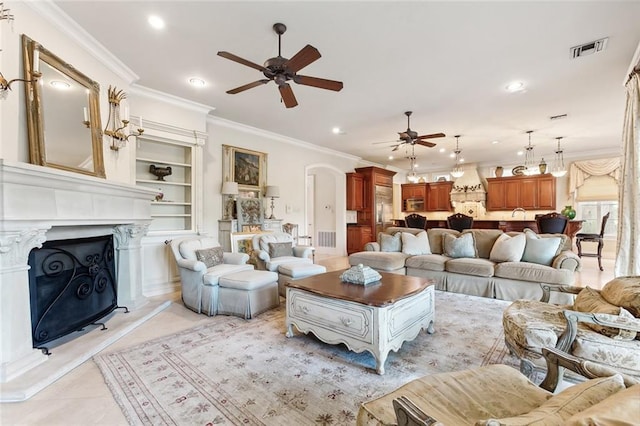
411,137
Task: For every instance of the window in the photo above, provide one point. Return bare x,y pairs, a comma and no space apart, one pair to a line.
592,211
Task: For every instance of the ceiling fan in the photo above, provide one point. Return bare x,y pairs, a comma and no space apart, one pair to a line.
281,70
411,137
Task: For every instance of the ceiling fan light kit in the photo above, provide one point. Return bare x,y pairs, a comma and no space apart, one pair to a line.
282,70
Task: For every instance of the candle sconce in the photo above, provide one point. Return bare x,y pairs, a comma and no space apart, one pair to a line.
117,127
5,85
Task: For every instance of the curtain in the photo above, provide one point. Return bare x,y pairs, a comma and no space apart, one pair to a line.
627,249
581,170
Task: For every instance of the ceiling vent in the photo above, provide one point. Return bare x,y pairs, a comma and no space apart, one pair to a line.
589,48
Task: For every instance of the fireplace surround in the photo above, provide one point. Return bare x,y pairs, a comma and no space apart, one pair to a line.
39,204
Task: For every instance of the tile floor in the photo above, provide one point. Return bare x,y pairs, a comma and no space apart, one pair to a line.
82,398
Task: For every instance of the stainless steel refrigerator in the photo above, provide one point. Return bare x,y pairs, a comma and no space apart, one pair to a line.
384,207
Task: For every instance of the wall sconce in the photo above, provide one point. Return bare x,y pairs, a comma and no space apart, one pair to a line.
5,85
272,192
230,189
117,123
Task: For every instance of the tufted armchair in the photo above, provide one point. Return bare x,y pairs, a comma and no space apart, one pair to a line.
601,326
199,282
277,248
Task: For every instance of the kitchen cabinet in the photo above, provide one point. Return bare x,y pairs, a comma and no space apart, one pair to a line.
414,197
357,237
377,200
529,192
439,196
355,191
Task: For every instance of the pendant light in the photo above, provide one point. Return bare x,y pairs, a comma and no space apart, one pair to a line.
530,167
558,169
457,169
412,177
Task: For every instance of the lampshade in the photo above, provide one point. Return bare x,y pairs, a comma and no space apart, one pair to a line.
230,188
272,192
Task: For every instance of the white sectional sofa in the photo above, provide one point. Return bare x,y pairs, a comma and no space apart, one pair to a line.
479,262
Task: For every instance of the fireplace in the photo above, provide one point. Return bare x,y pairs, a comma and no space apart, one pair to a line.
72,283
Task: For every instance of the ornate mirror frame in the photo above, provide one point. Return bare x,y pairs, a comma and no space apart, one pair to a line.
59,133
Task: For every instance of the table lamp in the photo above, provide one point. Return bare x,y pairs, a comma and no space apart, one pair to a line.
272,192
230,189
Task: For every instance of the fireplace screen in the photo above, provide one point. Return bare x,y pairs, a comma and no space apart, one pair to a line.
72,284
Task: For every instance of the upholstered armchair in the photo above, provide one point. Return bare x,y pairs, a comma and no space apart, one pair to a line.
277,248
601,326
201,263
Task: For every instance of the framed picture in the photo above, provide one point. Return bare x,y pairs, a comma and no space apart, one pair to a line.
246,167
241,242
250,213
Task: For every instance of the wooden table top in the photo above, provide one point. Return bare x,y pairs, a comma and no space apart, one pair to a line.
391,288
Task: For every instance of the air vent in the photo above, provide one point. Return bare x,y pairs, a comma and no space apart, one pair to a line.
589,48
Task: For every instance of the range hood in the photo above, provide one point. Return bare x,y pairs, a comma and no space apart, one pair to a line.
468,187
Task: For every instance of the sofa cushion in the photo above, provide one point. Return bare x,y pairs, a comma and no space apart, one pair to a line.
621,408
590,300
565,404
508,249
280,249
381,261
212,276
485,239
470,266
540,250
456,247
210,256
523,271
435,238
390,243
428,262
415,244
624,292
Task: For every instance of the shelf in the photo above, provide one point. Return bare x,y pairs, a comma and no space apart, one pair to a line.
169,203
171,215
170,163
162,182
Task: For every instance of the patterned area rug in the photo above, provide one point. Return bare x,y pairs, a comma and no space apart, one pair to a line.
238,372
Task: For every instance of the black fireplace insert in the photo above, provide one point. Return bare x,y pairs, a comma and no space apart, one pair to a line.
72,284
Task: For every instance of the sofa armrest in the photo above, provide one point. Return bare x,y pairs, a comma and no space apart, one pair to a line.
567,260
264,256
303,251
193,265
372,246
235,258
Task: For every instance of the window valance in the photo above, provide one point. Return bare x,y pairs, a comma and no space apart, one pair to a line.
581,170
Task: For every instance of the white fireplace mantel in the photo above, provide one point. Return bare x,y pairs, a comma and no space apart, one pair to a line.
39,204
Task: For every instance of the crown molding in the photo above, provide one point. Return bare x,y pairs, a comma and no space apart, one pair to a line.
53,14
157,95
281,138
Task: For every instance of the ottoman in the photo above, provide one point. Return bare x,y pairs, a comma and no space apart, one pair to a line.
247,293
295,271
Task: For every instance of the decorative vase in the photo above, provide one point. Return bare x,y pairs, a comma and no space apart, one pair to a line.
569,212
542,167
499,171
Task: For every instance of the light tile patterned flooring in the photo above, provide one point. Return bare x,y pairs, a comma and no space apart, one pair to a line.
82,398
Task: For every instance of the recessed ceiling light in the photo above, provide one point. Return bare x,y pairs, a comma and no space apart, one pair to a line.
62,85
156,22
391,157
516,86
452,155
441,150
462,160
520,152
197,82
495,142
336,130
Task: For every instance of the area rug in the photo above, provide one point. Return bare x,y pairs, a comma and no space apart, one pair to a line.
237,372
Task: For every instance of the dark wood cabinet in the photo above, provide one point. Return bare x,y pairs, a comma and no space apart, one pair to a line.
355,191
371,177
357,237
417,193
529,192
439,196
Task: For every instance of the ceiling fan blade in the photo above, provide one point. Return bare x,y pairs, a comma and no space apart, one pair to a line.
432,136
425,143
288,97
304,57
395,148
248,86
240,60
320,83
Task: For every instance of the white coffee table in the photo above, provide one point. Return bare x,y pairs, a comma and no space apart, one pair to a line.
377,318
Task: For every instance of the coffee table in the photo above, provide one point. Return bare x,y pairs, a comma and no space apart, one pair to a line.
377,318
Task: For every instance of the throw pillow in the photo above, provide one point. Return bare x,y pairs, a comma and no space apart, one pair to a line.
390,243
462,246
565,241
624,292
540,250
508,249
210,257
621,408
565,404
589,300
280,249
415,244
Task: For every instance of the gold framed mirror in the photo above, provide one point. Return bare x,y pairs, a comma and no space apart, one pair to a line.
63,113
